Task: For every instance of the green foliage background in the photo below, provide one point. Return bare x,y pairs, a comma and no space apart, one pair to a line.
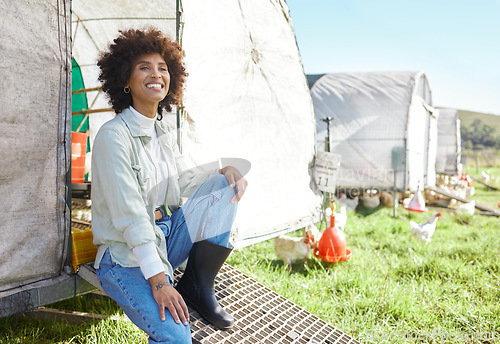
479,130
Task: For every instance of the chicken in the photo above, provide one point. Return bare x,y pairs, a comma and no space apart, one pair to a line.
467,208
442,180
370,199
424,231
314,234
433,198
407,200
460,191
350,203
470,191
290,249
387,198
340,217
465,179
453,204
485,176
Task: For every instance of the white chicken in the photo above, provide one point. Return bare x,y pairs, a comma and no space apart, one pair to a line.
350,203
290,249
433,198
424,231
485,176
442,180
467,208
340,217
370,199
314,234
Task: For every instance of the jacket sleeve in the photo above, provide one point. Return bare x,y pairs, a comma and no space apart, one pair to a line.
112,172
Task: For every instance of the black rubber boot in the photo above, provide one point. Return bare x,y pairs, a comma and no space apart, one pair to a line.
197,284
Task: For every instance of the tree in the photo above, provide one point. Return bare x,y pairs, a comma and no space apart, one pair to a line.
478,135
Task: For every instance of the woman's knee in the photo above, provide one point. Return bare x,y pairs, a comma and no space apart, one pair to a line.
219,181
220,188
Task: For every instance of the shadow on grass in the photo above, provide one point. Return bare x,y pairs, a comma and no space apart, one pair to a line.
310,267
361,210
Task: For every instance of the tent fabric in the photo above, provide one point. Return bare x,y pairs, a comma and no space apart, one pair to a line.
246,98
34,146
449,145
384,127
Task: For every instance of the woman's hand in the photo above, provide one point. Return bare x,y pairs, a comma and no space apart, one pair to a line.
167,297
236,181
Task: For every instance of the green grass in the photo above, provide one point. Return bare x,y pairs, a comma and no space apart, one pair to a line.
483,194
393,282
113,330
394,285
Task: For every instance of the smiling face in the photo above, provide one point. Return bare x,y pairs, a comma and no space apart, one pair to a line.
149,83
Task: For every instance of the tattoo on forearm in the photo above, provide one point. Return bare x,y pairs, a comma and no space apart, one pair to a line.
161,285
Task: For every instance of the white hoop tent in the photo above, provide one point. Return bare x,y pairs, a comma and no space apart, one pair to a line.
383,126
449,149
246,98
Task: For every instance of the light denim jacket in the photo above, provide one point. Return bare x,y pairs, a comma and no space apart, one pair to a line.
124,192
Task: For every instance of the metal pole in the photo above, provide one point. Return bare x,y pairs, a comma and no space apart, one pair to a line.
395,196
327,120
177,38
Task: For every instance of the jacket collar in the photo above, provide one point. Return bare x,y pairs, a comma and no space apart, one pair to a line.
137,131
132,123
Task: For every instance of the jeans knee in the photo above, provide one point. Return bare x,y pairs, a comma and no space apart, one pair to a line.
220,187
219,181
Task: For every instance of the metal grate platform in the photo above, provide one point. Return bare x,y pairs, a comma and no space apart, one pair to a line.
261,315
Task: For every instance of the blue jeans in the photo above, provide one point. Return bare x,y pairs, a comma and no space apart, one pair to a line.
207,215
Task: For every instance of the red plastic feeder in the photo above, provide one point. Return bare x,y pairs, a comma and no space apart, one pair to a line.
332,245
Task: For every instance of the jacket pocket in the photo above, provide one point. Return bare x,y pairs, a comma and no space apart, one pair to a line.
138,175
144,181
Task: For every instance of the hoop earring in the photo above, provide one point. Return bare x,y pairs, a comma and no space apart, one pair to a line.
126,89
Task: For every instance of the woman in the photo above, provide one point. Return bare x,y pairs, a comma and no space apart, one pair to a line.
138,177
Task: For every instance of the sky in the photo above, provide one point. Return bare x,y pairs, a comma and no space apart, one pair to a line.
456,43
